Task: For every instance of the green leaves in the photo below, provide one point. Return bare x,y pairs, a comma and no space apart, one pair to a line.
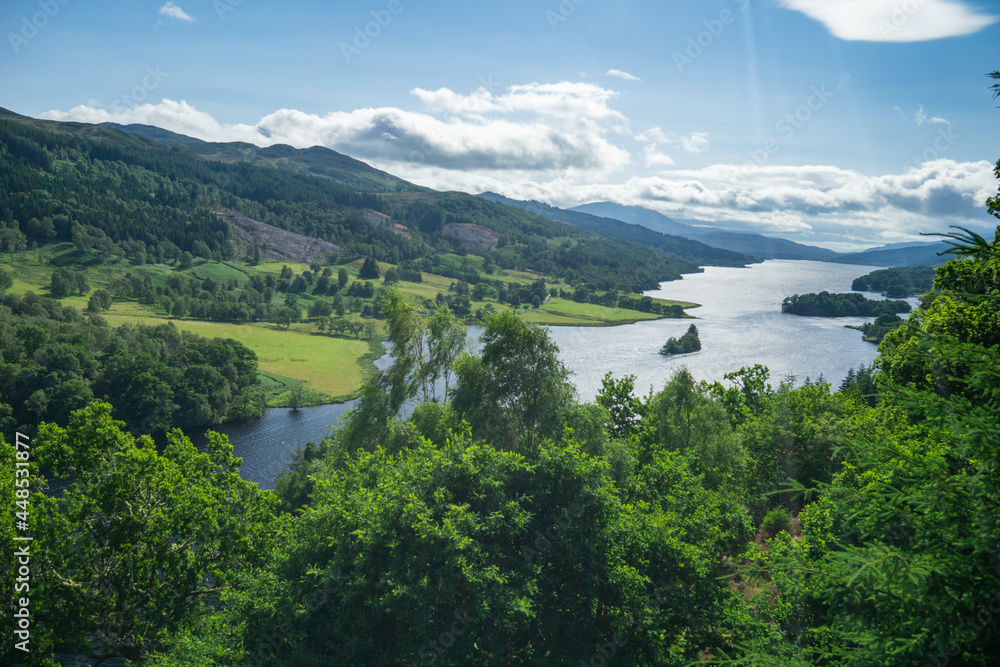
141,541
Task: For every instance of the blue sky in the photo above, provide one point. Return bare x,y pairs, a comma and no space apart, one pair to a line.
842,123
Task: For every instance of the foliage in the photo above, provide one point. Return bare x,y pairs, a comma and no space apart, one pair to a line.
142,541
826,304
512,392
896,282
686,344
55,361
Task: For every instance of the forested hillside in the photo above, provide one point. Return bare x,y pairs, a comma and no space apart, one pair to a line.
121,194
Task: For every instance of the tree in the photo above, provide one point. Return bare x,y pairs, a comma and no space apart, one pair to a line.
342,278
369,270
296,396
186,261
624,408
514,391
523,559
405,331
6,280
141,541
446,340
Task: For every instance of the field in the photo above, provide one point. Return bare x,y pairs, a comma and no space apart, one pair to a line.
331,368
563,312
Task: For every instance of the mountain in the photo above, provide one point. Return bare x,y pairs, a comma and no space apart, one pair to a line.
756,245
317,161
610,227
923,254
766,247
115,193
636,215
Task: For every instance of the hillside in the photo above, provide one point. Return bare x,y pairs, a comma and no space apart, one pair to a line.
637,215
317,161
766,247
682,247
924,254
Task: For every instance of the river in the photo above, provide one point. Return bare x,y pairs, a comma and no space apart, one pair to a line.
740,324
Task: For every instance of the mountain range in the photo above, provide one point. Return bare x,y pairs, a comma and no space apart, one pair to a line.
701,243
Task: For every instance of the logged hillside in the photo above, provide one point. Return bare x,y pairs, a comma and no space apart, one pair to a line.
122,194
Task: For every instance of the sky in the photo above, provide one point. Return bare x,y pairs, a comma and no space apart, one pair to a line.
840,123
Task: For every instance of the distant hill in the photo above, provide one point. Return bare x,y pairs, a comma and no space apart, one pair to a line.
680,246
638,215
318,161
766,247
757,245
924,254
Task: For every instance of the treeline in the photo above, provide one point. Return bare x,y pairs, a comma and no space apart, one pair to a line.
689,342
826,304
897,282
502,521
54,360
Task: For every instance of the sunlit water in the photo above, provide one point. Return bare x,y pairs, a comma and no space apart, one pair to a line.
740,324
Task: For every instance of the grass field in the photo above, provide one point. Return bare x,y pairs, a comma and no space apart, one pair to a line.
563,312
333,368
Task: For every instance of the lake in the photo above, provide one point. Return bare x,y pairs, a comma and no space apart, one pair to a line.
740,324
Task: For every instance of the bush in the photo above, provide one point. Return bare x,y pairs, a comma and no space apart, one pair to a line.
777,520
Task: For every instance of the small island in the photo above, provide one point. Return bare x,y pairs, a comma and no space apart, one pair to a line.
687,343
826,304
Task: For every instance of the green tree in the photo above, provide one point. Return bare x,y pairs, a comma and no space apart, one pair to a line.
141,541
446,340
369,270
514,391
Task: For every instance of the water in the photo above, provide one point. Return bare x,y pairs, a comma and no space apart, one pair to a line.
740,324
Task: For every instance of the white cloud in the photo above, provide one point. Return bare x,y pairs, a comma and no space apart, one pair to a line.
621,74
536,127
696,143
893,21
172,11
656,159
